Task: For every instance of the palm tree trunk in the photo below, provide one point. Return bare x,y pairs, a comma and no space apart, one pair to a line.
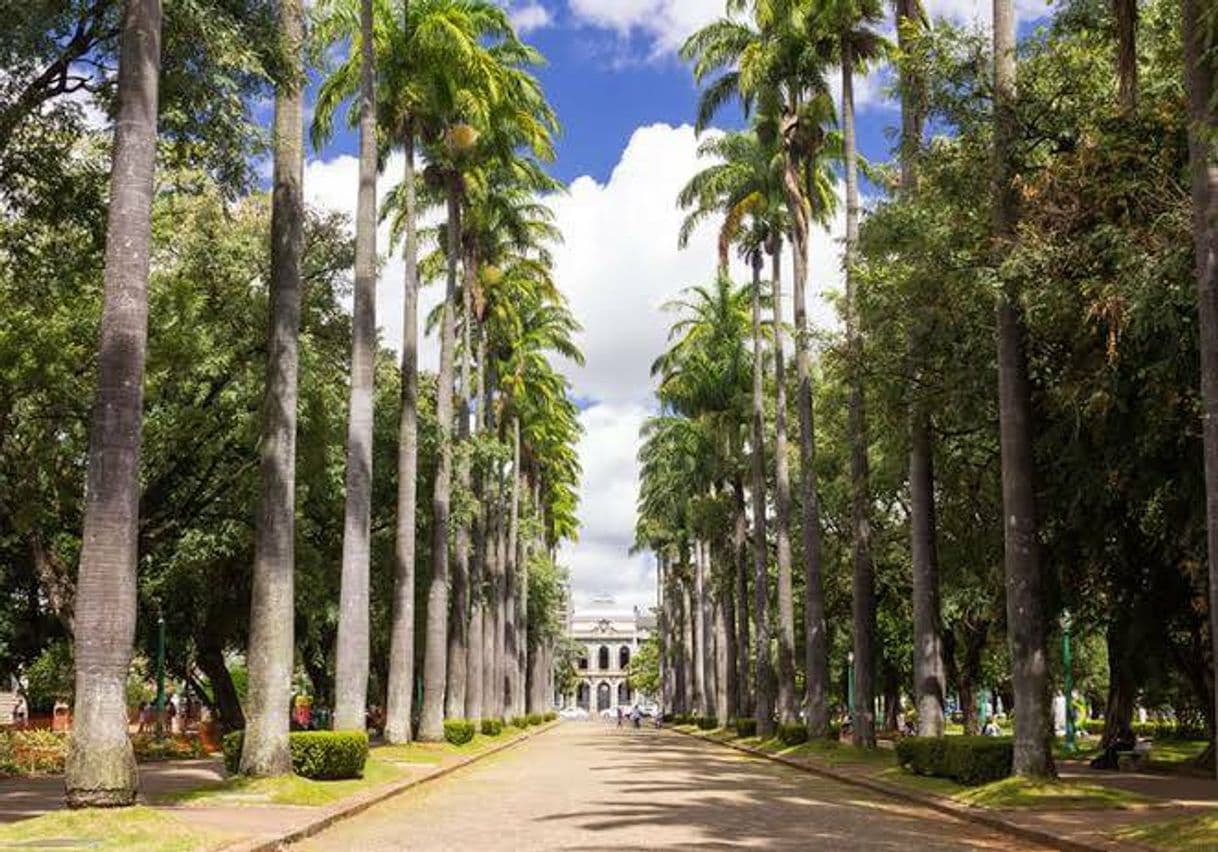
740,536
763,676
930,684
693,678
101,764
724,683
700,633
863,587
663,620
272,611
477,581
399,692
435,654
1025,598
459,616
1126,14
816,648
782,507
1203,161
511,640
351,655
503,590
522,586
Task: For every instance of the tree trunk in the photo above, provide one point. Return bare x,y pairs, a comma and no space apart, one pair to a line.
782,506
1126,14
1122,683
477,580
1203,162
501,596
701,690
892,697
492,634
210,659
740,553
723,662
272,609
515,662
459,615
399,699
351,656
435,655
970,674
763,676
728,677
663,620
1025,595
101,764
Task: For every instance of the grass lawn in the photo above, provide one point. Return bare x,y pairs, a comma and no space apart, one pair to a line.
135,829
1172,753
1179,835
1049,795
837,753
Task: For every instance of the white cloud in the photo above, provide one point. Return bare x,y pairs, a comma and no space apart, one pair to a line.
665,23
618,264
531,16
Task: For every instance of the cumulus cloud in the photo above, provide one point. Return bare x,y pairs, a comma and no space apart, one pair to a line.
618,264
531,16
665,23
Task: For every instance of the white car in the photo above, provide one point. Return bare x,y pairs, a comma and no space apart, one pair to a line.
573,713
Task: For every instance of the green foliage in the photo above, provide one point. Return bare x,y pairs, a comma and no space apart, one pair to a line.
50,678
458,731
318,755
643,670
32,752
492,727
707,723
791,735
550,715
150,747
746,727
535,718
968,760
521,722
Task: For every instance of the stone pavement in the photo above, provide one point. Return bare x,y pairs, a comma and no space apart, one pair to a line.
588,786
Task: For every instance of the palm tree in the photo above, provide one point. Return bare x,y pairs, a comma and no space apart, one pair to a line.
1200,38
100,766
930,682
1025,595
351,655
271,645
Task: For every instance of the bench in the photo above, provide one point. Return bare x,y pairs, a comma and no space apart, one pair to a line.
1136,755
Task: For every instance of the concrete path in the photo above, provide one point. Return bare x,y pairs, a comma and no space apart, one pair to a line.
586,786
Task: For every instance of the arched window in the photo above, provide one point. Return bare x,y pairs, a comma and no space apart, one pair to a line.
623,657
602,658
583,662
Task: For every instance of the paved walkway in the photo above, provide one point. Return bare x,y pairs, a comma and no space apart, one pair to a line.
586,786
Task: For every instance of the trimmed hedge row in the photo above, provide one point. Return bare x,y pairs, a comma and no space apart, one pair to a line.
791,735
746,727
969,760
492,727
459,731
1154,730
320,755
549,716
707,723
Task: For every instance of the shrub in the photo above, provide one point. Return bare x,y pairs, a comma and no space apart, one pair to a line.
458,731
550,715
969,760
152,747
746,727
519,721
535,718
792,735
707,723
492,727
320,755
32,752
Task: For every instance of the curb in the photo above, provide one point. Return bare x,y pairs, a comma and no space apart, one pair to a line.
944,806
348,808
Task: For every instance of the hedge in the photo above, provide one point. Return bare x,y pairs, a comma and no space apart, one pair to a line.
969,760
550,716
520,721
792,735
534,718
746,727
1154,730
707,723
492,727
459,731
320,755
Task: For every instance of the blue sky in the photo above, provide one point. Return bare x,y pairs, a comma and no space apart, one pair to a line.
626,104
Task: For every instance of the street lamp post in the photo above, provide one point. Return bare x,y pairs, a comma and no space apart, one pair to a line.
160,674
1068,677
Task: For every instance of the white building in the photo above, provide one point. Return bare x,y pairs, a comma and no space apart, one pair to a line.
610,638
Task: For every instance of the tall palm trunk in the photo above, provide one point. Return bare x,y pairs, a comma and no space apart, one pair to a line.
492,631
663,620
689,627
782,506
272,610
1200,72
351,656
725,683
740,536
101,764
503,591
400,688
701,689
930,678
522,573
816,647
435,654
763,676
863,586
1126,14
459,616
1025,596
474,658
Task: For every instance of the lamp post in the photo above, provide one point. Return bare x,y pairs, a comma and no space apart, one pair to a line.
160,674
850,683
1068,677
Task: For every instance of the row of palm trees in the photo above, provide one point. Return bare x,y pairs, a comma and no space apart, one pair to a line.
450,83
767,187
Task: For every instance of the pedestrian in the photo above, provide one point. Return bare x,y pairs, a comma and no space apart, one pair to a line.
636,715
619,715
19,711
145,716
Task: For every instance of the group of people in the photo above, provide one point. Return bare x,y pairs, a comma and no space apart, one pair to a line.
179,710
635,716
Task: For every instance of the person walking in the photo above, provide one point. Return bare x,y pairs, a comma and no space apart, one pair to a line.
636,715
619,715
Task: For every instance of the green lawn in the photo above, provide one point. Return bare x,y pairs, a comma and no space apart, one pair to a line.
136,829
1049,795
837,753
1198,834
